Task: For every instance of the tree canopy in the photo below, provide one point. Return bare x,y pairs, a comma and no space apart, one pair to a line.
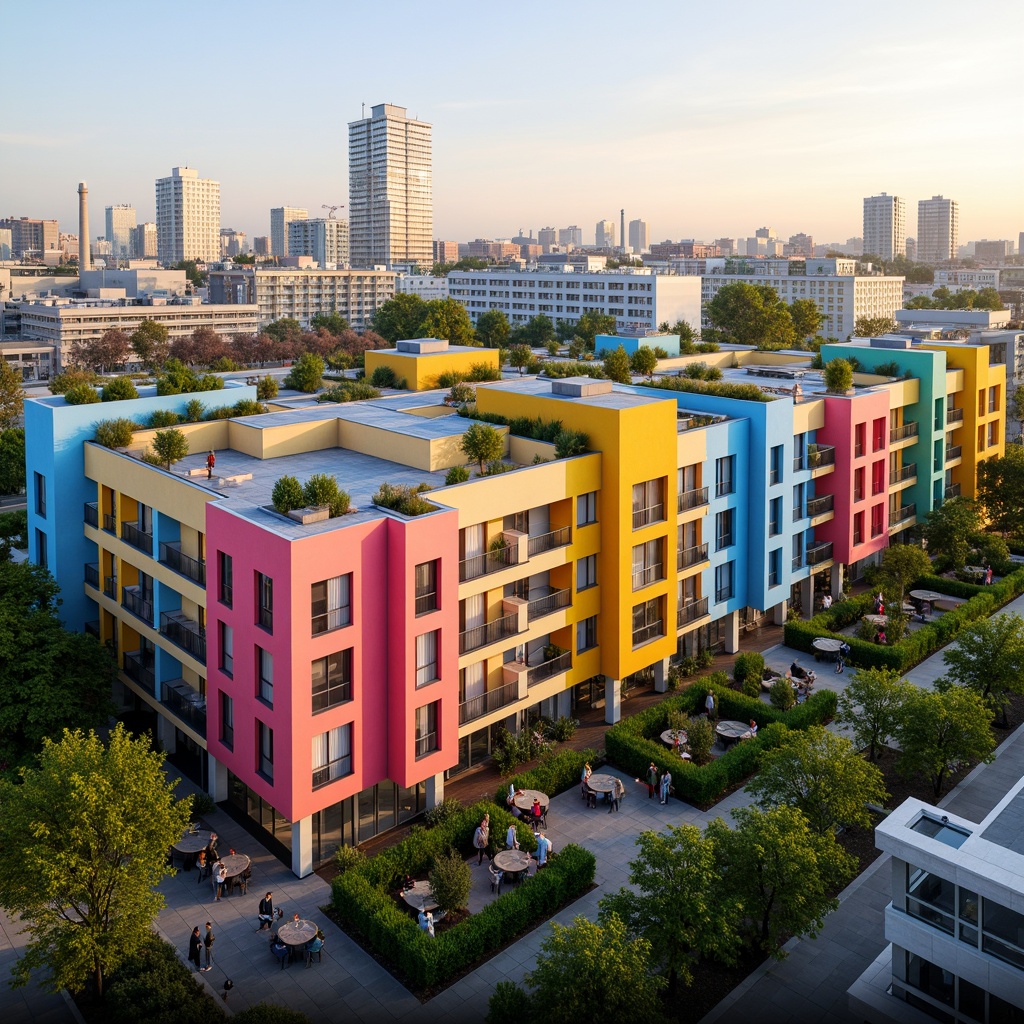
537,331
901,565
948,528
192,272
873,326
334,323
807,317
482,443
307,373
400,318
492,329
871,705
12,460
110,349
616,366
150,343
170,446
1001,490
838,376
965,298
750,314
644,362
12,397
447,318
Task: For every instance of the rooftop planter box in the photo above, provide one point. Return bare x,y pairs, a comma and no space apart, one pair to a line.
310,515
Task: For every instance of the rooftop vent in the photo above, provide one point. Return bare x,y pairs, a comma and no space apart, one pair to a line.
580,387
421,346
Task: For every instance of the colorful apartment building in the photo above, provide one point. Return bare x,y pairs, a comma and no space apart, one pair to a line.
322,677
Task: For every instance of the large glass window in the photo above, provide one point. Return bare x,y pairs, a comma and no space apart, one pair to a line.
227,649
331,604
648,563
648,621
724,476
648,503
332,755
931,898
426,658
227,721
265,757
331,679
724,582
226,578
265,600
265,674
724,529
40,486
586,634
586,508
426,587
586,572
426,728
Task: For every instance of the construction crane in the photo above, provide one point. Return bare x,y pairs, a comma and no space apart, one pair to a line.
331,209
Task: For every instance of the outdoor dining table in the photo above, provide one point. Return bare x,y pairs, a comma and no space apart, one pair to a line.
525,797
512,862
929,597
192,842
297,934
827,644
236,864
419,897
668,737
601,783
732,732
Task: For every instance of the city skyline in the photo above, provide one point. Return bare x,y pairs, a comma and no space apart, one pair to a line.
835,111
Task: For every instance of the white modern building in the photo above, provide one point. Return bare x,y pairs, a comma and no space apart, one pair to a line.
280,218
955,925
391,189
604,234
325,239
938,225
120,230
957,280
639,236
187,217
426,287
145,241
637,298
885,226
571,237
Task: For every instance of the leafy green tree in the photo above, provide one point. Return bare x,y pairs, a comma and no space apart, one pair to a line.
12,397
321,489
871,705
901,565
519,357
170,446
616,366
492,329
752,315
102,353
536,332
450,881
192,272
179,379
400,318
287,494
83,846
115,433
333,323
266,387
590,325
644,362
822,775
208,347
873,326
447,318
119,389
81,394
482,443
988,298
807,317
677,902
244,259
13,532
684,331
150,343
286,329
69,378
838,376
949,527
1001,490
781,872
12,460
307,374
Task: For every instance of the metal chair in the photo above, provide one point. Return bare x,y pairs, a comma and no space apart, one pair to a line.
315,949
280,954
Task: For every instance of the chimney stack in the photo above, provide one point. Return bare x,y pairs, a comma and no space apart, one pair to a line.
622,229
84,261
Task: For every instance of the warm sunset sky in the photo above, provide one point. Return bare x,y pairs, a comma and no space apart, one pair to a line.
705,119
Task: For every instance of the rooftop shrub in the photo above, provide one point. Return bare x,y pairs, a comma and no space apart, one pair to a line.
403,499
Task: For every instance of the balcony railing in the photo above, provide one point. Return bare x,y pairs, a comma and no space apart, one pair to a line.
798,464
648,575
858,494
93,628
954,416
554,602
335,770
691,556
953,452
92,513
493,700
645,516
821,457
488,633
902,433
798,562
110,523
902,513
858,450
489,561
186,633
133,601
131,534
426,602
92,574
186,565
185,703
647,633
693,499
135,667
691,612
548,541
905,473
546,669
110,587
818,553
821,505
952,491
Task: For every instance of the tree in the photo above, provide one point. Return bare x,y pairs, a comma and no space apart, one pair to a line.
400,318
871,705
322,489
676,902
988,298
616,366
333,323
589,972
192,272
12,397
83,845
450,881
81,394
519,356
752,315
590,325
207,346
170,446
109,350
781,872
12,460
120,389
149,342
873,326
266,387
179,379
685,332
942,731
643,362
838,376
823,776
807,317
183,350
949,527
901,565
287,494
285,329
988,658
482,443
447,318
307,374
492,329
115,433
13,532
536,332
1001,489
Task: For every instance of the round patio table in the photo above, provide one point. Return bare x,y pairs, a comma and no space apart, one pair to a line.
732,732
601,783
192,842
827,644
512,862
419,897
668,737
525,797
927,595
236,863
296,934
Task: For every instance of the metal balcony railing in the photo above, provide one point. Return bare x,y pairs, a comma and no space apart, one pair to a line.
645,516
818,553
952,491
821,457
546,669
548,541
820,505
489,561
493,700
902,513
647,633
92,574
798,463
92,513
693,499
553,602
335,770
186,565
798,561
110,586
186,633
954,417
905,473
954,452
110,523
903,433
691,556
140,669
185,703
131,534
426,602
691,612
488,633
132,600
648,575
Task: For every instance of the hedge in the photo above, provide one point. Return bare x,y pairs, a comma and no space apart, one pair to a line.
361,897
636,741
557,771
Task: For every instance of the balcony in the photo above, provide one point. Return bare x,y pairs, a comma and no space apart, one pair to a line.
133,600
693,499
552,602
645,634
184,703
110,587
139,667
798,562
820,506
546,669
954,417
902,514
691,556
952,491
821,457
110,523
953,453
488,562
818,553
185,565
488,633
493,700
648,575
899,476
549,541
184,632
691,612
645,516
905,433
92,513
798,464
131,534
92,574
93,628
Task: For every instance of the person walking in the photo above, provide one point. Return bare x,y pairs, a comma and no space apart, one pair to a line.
194,945
208,943
652,780
666,785
543,849
988,575
266,912
511,839
709,706
220,880
211,461
481,836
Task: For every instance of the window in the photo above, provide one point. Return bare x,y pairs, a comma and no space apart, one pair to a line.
648,563
775,476
981,402
993,433
265,753
648,503
332,755
426,587
858,484
426,728
586,572
331,680
879,429
648,621
993,398
227,721
41,553
586,634
858,528
586,508
775,517
878,482
723,476
40,482
981,437
265,676
877,520
226,577
775,567
859,433
723,529
723,582
227,649
426,658
331,603
265,600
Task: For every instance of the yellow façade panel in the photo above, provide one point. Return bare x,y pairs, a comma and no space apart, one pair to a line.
420,371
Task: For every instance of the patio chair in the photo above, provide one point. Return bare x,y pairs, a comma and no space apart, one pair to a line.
281,953
315,949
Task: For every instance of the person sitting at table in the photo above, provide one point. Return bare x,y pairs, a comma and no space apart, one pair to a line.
511,839
536,813
584,777
543,849
278,948
753,728
201,864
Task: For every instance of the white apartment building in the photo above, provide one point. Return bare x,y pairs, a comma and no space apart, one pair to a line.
325,239
391,189
637,298
604,234
956,280
885,226
145,241
938,225
570,237
955,925
426,287
187,217
120,230
280,218
639,236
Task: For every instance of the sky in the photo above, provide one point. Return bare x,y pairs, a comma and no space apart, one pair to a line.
705,119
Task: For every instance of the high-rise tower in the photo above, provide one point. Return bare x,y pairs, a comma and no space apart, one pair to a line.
120,231
390,188
280,218
885,226
187,217
938,226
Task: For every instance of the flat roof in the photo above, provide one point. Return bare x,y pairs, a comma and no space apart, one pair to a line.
1006,829
617,398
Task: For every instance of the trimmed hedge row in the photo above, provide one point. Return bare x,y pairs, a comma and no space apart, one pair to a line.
361,897
557,771
636,741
